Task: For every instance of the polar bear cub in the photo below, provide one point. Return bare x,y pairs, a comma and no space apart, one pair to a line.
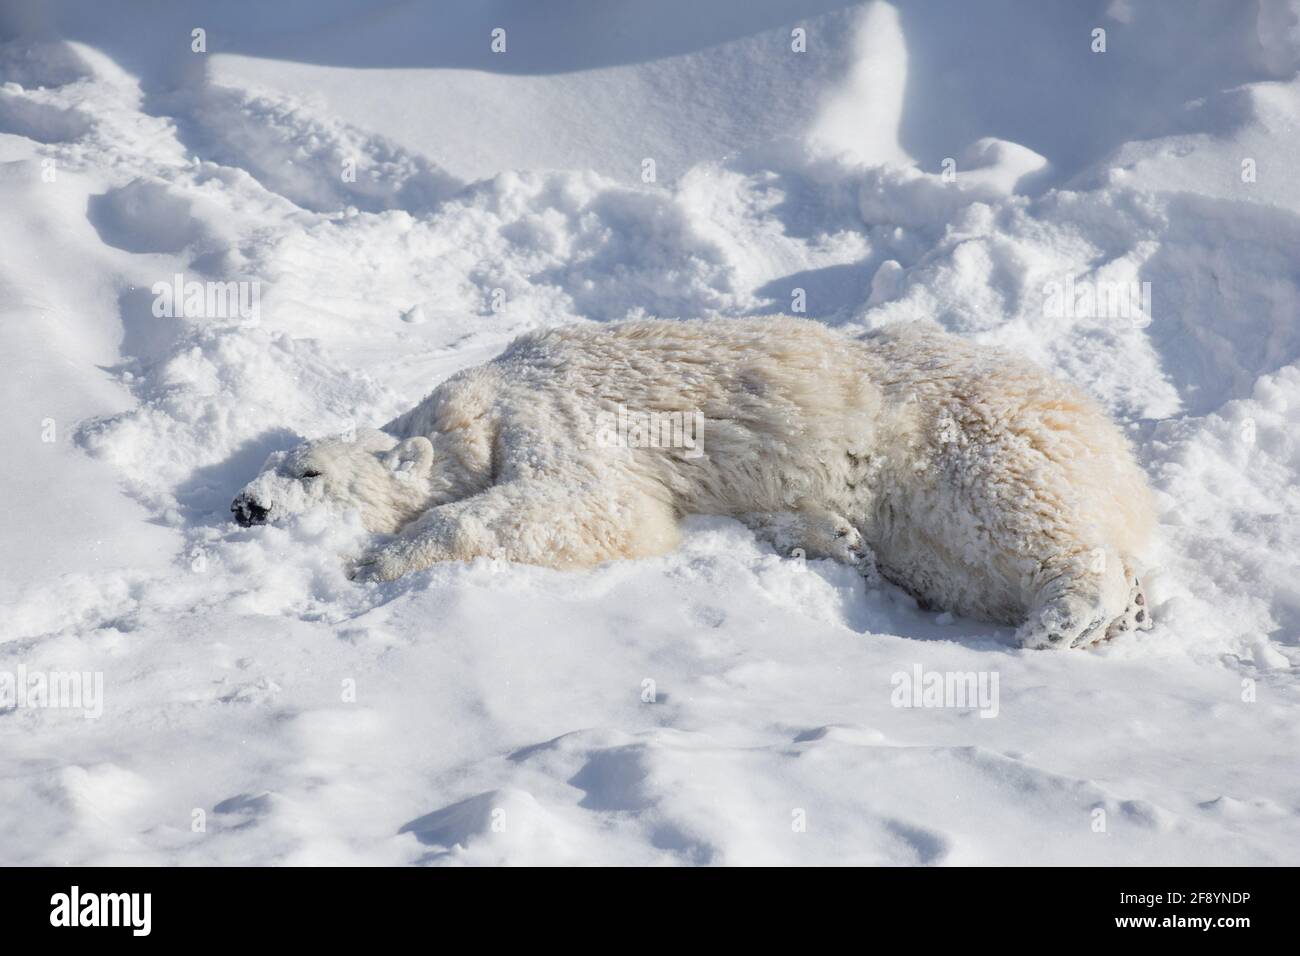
968,478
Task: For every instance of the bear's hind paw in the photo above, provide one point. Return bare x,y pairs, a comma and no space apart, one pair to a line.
1137,614
1060,637
1065,623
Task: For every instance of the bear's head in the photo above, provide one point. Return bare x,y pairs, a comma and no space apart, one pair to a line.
386,480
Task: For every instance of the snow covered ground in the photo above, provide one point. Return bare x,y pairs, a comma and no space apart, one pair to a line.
724,704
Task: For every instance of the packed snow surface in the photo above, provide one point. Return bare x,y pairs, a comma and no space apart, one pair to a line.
399,201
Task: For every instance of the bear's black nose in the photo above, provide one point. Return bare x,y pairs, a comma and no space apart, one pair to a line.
248,512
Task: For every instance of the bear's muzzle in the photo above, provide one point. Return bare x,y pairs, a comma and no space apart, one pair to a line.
248,512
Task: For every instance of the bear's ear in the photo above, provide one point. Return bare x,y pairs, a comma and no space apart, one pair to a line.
414,456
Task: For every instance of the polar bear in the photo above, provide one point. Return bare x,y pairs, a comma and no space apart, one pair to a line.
963,475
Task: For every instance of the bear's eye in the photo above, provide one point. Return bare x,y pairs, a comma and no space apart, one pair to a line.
311,474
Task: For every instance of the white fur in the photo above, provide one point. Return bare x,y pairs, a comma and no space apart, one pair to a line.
969,478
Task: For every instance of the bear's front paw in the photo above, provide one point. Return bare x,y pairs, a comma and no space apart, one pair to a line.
376,566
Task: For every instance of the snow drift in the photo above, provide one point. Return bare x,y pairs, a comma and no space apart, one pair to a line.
406,201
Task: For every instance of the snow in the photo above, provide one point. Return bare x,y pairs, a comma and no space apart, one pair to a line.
723,704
